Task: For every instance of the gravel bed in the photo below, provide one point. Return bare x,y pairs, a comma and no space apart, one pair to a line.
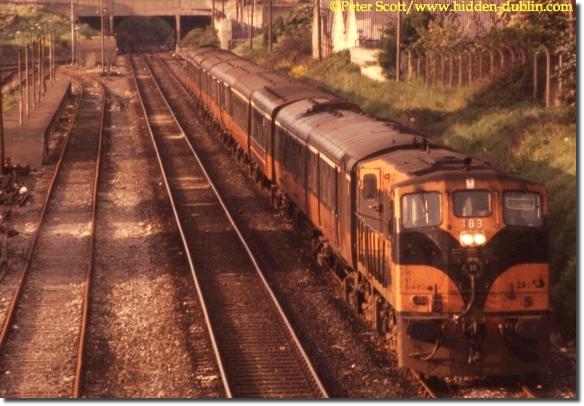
146,336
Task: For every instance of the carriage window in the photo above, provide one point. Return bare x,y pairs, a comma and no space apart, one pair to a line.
522,209
421,210
369,186
472,203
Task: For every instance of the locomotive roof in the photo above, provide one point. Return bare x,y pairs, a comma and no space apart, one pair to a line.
208,62
209,52
477,172
198,53
338,130
234,70
270,98
260,80
421,161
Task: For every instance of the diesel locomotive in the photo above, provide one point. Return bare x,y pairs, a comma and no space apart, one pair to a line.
443,254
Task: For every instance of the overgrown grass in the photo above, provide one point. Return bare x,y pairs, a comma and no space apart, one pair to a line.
498,122
19,24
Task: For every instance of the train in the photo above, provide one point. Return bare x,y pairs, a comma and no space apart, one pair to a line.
443,254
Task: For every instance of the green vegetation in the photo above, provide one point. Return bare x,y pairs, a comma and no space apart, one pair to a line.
292,38
494,121
413,27
18,23
201,37
145,33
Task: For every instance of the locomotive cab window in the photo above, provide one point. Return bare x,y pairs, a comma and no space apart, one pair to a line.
472,203
423,209
522,209
370,186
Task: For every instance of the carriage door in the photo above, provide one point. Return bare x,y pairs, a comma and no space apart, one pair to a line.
371,244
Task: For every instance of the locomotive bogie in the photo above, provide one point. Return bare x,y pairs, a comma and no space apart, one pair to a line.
440,347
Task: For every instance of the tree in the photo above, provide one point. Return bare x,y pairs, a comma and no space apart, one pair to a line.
413,28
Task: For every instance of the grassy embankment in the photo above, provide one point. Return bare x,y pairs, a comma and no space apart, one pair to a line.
496,121
19,24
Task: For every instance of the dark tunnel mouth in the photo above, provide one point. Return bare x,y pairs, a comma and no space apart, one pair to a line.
124,28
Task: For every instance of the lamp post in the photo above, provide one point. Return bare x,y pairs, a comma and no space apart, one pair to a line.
1,128
20,104
270,10
72,33
397,47
78,56
102,39
33,69
27,79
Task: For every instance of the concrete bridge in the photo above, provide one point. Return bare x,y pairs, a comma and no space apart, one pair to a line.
125,8
232,18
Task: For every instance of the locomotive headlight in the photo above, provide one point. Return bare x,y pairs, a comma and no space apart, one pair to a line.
466,239
480,239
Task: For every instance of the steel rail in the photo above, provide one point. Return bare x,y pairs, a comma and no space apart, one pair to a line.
183,238
242,240
527,391
425,384
79,370
11,312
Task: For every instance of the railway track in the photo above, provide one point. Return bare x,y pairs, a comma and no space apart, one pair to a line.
257,351
437,388
43,334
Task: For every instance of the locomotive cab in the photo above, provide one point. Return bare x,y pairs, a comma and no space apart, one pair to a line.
470,273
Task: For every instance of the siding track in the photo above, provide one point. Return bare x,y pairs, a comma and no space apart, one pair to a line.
43,335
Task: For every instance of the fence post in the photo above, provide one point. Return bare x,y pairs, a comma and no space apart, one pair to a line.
426,70
469,67
434,70
409,64
451,73
548,75
502,58
560,66
535,75
480,63
442,70
419,65
523,56
459,69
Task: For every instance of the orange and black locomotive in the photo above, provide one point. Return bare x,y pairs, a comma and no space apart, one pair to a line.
444,254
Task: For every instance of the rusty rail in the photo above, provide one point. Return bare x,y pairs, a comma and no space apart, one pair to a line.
26,271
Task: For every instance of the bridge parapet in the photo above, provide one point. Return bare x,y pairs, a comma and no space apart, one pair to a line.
123,8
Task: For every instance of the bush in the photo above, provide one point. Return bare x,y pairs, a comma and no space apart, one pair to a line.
413,27
200,37
565,300
295,22
15,20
